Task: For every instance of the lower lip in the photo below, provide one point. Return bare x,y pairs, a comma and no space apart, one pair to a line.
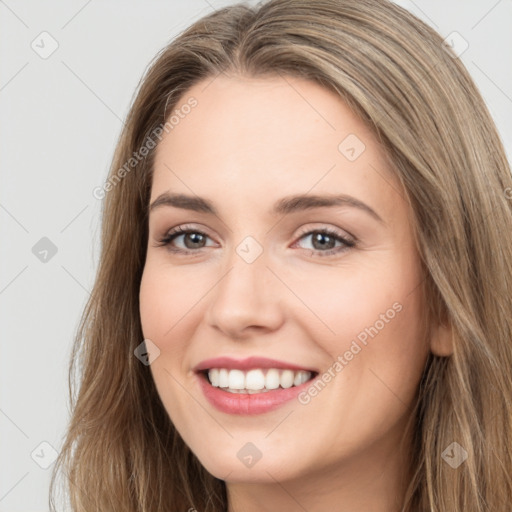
246,404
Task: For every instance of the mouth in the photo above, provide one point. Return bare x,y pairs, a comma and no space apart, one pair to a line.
257,380
251,386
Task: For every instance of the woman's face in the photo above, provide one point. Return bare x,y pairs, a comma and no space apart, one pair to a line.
298,251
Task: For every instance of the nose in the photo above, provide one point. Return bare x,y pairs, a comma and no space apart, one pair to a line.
247,300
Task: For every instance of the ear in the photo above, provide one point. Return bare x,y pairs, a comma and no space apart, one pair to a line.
441,341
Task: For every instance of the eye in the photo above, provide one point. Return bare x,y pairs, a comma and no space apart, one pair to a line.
193,239
325,242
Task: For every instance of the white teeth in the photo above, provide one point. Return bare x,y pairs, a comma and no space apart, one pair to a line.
301,377
256,380
223,378
272,379
287,379
213,375
236,379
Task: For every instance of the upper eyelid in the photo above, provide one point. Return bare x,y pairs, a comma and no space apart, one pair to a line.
179,229
184,229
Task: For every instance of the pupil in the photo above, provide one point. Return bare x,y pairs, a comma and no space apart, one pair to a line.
318,238
196,238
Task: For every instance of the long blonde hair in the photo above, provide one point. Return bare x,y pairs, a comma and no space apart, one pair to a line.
121,451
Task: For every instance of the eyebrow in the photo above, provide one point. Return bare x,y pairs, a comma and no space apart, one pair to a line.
284,206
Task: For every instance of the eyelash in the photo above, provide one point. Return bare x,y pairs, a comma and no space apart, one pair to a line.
169,237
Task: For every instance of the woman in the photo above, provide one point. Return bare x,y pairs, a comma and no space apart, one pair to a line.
302,299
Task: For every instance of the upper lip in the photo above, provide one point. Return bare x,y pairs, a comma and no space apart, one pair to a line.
247,364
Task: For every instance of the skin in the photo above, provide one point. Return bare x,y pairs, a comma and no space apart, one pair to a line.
248,143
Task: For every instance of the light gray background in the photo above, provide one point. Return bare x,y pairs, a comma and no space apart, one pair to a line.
61,117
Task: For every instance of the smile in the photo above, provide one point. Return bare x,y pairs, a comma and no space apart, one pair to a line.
251,386
257,380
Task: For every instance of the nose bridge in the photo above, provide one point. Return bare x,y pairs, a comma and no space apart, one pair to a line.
246,282
246,295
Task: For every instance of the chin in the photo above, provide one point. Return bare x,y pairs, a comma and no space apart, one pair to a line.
231,469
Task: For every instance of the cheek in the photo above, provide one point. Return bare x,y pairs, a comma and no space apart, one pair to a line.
346,303
148,305
375,357
167,297
171,309
370,318
166,309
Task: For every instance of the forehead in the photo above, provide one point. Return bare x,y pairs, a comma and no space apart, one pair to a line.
268,116
266,137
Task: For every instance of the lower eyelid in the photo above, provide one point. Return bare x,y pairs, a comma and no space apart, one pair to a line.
167,239
346,243
345,246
